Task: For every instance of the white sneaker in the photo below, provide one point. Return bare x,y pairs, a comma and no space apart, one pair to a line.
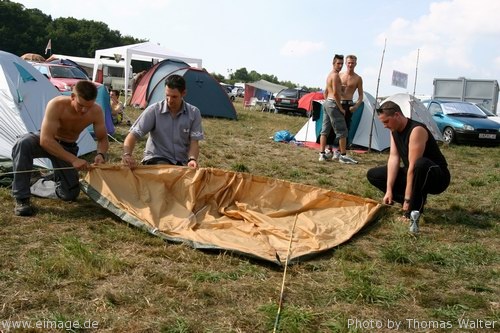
322,157
328,154
347,159
414,217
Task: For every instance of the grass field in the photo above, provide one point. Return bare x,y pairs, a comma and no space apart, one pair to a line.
76,262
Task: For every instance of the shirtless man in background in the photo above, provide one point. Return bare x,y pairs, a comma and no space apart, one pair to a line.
350,83
334,114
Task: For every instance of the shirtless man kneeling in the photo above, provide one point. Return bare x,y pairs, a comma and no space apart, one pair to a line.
65,118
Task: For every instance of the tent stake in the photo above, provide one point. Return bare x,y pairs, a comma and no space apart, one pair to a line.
284,276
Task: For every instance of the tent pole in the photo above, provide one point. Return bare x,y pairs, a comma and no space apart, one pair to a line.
416,72
376,98
280,304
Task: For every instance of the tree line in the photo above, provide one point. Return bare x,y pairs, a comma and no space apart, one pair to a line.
28,30
25,30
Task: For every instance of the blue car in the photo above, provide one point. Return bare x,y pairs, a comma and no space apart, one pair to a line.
463,122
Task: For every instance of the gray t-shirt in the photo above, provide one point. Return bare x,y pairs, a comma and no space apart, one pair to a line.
169,137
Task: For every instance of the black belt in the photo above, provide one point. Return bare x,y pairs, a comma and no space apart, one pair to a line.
67,144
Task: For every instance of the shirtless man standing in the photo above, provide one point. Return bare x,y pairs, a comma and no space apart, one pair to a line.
65,118
350,83
333,115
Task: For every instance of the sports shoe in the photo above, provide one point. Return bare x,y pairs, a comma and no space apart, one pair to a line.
322,157
23,207
328,154
414,217
347,159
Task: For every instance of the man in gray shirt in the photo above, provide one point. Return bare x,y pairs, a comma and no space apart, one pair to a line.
174,128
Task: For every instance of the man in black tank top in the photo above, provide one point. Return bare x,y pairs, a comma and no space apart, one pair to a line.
424,168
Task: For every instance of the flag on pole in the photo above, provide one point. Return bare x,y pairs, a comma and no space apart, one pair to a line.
48,49
399,79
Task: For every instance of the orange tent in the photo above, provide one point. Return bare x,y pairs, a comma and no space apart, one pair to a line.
216,209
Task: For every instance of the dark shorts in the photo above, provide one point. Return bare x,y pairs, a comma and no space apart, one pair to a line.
346,104
159,160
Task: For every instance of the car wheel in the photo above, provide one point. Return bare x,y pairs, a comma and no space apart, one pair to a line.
448,135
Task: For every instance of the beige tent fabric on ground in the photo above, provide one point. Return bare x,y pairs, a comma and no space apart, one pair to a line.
212,208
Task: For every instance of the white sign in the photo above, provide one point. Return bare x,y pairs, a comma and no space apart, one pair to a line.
399,79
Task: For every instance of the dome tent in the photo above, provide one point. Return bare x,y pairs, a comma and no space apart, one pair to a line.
24,94
203,91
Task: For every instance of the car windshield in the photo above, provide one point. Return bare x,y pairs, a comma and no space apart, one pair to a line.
67,72
485,110
462,109
289,93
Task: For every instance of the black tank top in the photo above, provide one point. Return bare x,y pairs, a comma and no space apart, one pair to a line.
431,150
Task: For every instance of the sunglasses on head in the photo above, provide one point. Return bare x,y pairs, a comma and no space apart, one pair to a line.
382,109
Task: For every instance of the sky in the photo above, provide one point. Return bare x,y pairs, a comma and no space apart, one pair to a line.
295,40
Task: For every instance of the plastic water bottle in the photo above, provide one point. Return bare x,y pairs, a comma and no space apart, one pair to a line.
414,217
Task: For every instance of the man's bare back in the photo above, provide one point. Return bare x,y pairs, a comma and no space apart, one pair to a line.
334,84
64,122
65,118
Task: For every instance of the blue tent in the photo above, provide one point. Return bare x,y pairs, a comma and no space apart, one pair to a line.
103,100
203,91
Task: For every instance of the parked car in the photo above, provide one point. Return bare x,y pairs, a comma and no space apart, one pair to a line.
239,91
287,100
229,92
463,122
63,77
489,114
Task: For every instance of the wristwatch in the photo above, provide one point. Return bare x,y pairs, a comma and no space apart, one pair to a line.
191,158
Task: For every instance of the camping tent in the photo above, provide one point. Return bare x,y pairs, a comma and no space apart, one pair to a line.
146,51
261,89
210,208
103,100
203,90
414,109
360,130
24,94
306,101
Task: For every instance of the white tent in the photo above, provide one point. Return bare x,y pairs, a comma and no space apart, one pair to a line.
24,94
414,109
380,136
146,51
267,86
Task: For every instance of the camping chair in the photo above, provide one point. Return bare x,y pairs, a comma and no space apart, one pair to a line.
252,103
269,106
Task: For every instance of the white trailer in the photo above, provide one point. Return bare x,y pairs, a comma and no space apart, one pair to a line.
483,92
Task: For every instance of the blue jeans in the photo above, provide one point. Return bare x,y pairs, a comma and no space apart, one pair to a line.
28,148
